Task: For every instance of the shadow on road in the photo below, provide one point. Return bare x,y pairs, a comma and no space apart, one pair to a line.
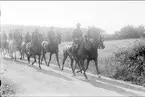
124,85
110,87
49,72
107,81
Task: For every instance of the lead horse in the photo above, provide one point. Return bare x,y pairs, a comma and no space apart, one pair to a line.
88,50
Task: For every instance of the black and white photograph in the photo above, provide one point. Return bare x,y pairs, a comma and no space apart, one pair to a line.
72,48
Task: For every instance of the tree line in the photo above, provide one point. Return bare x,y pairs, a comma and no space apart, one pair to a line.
125,32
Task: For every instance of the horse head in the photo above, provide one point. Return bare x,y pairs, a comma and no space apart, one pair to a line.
93,41
100,42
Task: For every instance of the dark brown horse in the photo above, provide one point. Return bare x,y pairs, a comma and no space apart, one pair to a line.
34,48
51,46
88,50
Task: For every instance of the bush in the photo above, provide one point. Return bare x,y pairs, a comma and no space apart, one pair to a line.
7,88
131,63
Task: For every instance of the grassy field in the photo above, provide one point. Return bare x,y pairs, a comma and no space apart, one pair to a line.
106,60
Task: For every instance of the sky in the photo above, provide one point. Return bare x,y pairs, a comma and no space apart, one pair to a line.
108,15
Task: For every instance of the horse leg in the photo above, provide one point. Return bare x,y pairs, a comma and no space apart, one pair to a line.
72,67
75,65
49,59
88,61
96,64
28,57
21,56
80,67
39,57
83,67
56,54
15,55
64,58
4,53
34,60
44,57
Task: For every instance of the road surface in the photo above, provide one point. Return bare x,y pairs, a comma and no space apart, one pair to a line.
50,81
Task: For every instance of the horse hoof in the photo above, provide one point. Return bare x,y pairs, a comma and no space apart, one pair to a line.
78,71
86,77
40,68
99,76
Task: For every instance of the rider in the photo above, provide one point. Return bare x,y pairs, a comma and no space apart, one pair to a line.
51,35
27,37
77,35
11,35
52,38
4,37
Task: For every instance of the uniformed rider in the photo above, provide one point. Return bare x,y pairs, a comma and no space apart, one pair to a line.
77,35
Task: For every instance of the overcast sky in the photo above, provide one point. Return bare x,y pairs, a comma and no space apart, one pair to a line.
108,15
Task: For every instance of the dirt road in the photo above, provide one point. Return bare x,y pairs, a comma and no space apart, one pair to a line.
50,81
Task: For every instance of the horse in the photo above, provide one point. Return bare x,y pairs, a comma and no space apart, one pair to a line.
52,48
17,38
88,50
15,43
34,48
26,39
67,52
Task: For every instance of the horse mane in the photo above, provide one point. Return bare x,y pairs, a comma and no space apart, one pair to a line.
88,42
